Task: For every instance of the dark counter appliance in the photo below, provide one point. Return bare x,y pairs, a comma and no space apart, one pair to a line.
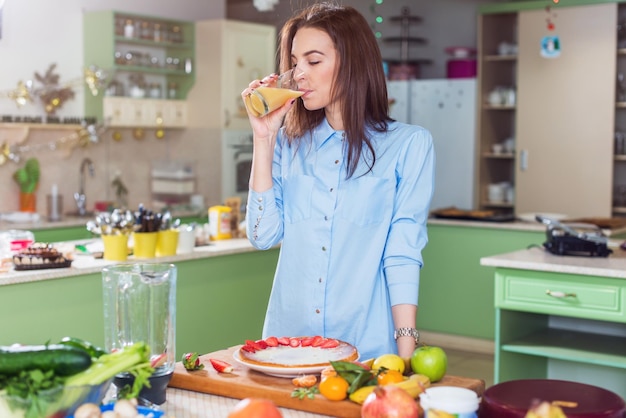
574,239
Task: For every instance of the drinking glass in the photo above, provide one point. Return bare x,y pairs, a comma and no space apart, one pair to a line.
264,99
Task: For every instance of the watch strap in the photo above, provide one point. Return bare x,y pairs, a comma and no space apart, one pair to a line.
406,332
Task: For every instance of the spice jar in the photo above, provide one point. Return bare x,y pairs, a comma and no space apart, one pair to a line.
155,90
172,90
129,29
157,35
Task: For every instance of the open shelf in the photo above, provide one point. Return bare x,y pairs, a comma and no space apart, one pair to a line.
500,58
581,347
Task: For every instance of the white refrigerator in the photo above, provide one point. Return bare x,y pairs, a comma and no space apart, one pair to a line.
447,108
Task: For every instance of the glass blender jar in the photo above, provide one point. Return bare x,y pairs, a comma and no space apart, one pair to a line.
140,305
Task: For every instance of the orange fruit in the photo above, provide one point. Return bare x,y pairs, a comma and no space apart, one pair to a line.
334,388
389,376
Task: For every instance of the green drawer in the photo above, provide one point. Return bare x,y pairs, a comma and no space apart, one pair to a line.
561,294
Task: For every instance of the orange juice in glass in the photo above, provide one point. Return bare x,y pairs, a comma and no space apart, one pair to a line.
264,100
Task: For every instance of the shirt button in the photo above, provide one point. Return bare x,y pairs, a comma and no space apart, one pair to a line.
325,218
320,280
317,311
323,248
331,189
336,161
260,207
260,199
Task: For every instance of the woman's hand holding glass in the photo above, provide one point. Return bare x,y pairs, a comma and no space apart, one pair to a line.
273,92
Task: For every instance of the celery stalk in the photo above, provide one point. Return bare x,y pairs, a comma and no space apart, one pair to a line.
134,359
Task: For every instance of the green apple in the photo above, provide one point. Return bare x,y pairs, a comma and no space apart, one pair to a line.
430,361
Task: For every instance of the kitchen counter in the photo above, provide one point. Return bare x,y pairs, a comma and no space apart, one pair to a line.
87,264
538,259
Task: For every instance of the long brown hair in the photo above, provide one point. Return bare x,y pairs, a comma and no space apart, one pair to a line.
360,82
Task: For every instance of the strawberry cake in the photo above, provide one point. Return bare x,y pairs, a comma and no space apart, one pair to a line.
296,352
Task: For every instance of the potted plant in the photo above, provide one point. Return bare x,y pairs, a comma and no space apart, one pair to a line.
27,178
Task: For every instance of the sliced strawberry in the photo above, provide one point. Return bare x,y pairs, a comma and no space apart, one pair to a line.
158,360
271,341
317,341
221,366
283,340
248,348
254,345
330,343
262,344
306,341
294,342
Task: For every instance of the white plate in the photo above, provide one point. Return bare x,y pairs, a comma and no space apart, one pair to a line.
286,372
530,217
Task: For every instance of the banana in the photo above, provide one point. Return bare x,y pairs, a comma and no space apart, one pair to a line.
359,395
412,386
423,379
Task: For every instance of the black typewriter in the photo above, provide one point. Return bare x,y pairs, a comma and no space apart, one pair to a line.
574,239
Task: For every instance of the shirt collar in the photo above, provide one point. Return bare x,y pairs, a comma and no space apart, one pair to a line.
325,132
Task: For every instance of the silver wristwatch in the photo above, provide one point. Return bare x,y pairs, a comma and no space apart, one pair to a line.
407,332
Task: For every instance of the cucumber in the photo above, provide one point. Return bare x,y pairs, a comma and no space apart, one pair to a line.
62,359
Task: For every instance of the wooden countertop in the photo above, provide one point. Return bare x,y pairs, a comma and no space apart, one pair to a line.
540,260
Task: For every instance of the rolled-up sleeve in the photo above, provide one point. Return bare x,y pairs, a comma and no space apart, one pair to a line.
408,234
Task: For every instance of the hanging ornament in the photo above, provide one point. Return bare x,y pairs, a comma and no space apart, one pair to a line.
22,94
4,153
95,78
51,94
550,44
117,136
88,134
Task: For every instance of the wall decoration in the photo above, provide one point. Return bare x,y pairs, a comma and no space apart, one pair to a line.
50,92
550,44
87,135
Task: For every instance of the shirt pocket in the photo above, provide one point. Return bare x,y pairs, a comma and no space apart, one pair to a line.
367,200
297,196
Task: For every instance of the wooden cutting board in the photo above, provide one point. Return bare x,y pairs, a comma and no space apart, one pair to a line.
246,383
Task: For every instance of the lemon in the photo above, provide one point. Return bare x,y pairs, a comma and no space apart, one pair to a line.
389,362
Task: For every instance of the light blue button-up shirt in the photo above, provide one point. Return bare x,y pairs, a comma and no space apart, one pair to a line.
350,248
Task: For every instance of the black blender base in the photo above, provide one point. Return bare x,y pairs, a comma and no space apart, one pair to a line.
155,393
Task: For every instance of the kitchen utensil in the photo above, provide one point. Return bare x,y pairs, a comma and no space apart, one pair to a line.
140,305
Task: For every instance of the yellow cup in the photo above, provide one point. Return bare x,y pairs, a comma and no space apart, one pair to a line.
115,247
144,244
167,241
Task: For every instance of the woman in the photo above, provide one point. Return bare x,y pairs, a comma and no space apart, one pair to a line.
343,188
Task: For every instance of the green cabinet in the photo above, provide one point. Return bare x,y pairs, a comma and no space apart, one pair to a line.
562,326
220,302
456,292
157,54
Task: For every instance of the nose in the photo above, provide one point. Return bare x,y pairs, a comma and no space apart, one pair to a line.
298,74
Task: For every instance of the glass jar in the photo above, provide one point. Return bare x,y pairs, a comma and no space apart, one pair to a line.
155,91
172,91
129,29
176,34
146,30
157,35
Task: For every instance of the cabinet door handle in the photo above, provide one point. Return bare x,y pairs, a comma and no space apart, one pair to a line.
523,160
559,294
